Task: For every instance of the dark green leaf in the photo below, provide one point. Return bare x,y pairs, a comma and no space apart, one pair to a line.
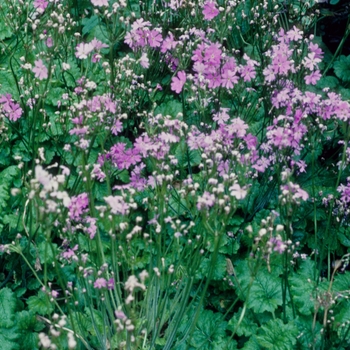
40,304
7,308
342,68
209,330
276,335
89,24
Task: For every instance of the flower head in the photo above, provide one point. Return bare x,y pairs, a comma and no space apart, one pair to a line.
210,11
40,70
178,82
83,50
100,283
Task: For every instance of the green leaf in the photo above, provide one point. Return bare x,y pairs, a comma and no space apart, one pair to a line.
169,107
341,320
303,287
40,304
342,68
327,82
8,85
252,344
4,195
54,95
219,271
186,157
9,173
276,335
177,203
97,324
265,291
28,327
72,74
124,176
9,339
309,337
89,24
247,327
13,220
5,29
210,329
45,252
341,282
8,306
8,327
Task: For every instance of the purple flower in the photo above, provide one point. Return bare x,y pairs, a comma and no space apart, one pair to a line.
178,82
100,283
78,206
12,110
110,283
168,43
313,78
40,70
40,5
49,42
154,38
210,11
205,201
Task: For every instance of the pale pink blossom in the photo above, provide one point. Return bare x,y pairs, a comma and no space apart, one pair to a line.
40,70
99,2
83,50
144,61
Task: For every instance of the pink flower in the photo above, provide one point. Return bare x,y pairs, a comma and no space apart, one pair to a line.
99,2
40,70
144,61
313,78
97,44
100,283
117,204
154,38
228,79
316,50
294,34
78,206
205,201
12,110
49,42
311,61
40,5
178,82
210,11
83,50
169,43
110,283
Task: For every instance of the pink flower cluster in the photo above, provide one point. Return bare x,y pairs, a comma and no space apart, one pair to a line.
78,206
344,190
83,50
282,62
142,35
213,70
9,108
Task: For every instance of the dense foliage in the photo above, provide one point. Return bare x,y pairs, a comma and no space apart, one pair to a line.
173,175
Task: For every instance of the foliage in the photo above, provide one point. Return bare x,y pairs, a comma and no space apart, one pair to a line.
173,175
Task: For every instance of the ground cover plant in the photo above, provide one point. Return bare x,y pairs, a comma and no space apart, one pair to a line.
173,175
